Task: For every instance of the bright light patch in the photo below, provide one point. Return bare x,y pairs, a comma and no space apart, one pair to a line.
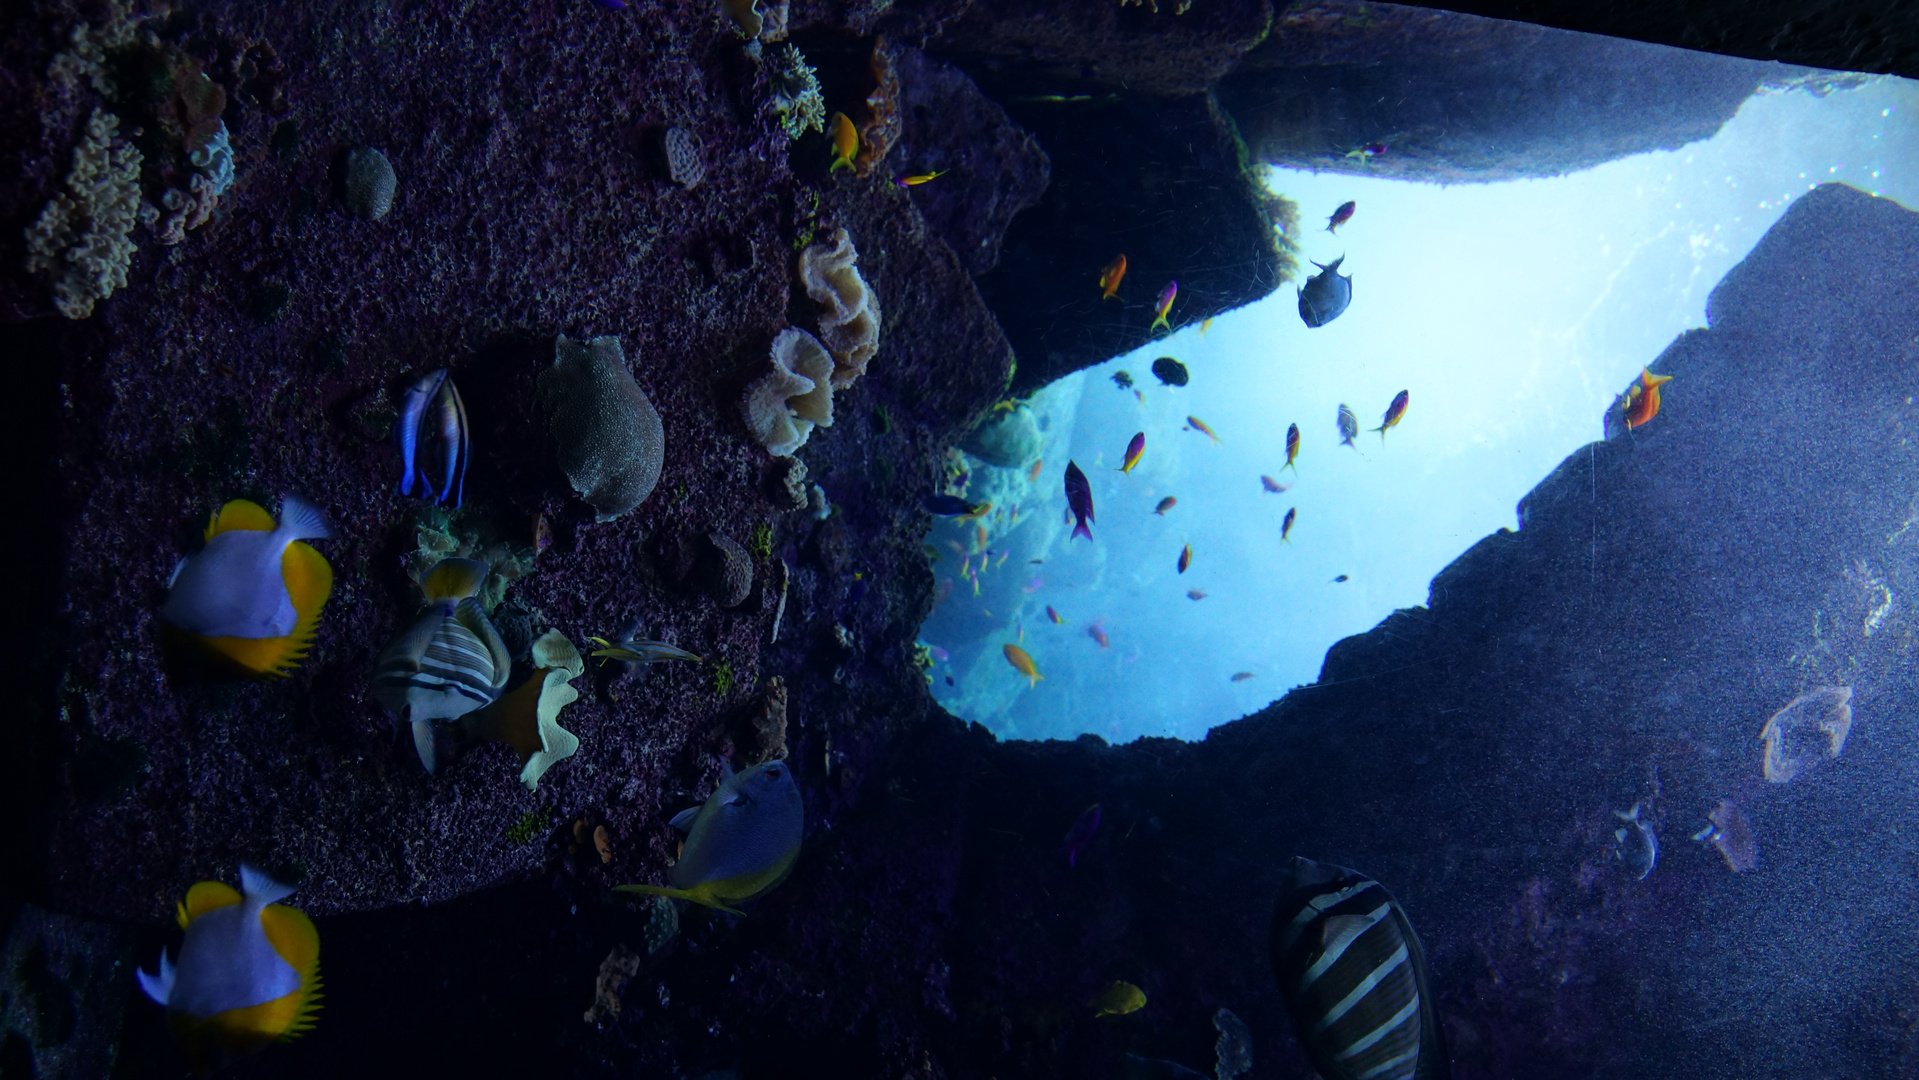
1512,313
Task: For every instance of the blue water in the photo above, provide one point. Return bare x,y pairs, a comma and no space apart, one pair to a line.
1513,313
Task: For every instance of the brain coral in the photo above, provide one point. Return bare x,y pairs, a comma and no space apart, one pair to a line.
782,407
80,241
610,436
850,313
683,157
728,571
369,183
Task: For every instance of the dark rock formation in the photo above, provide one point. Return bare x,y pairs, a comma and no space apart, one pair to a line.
1456,98
1849,35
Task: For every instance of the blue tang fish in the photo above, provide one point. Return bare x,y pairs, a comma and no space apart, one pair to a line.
740,843
249,971
449,662
253,595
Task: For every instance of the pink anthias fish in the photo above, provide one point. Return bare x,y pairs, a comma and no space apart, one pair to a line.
1098,633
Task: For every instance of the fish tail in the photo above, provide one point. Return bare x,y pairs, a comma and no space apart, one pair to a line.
1160,323
1081,530
694,895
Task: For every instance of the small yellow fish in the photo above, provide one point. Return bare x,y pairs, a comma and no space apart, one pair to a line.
846,142
915,181
1205,325
1110,277
1032,474
1118,1000
1185,558
1200,425
1164,305
1022,662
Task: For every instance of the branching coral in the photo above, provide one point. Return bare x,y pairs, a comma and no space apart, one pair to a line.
782,407
850,313
191,208
611,439
796,92
81,242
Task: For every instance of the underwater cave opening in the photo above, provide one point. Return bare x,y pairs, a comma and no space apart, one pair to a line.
1513,313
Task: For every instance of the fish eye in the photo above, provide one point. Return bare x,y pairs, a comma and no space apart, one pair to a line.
773,773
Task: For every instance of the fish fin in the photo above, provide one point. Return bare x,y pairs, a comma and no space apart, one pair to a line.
1081,530
464,452
240,515
309,581
302,519
258,886
425,744
158,986
406,429
1158,323
206,896
683,820
293,937
699,896
454,579
472,616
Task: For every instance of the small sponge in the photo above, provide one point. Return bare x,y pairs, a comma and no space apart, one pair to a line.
683,162
850,313
369,183
610,436
782,407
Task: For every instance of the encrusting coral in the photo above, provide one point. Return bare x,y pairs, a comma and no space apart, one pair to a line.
82,241
782,407
611,439
527,718
850,313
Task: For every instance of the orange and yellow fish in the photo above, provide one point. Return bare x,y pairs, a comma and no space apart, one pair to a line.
1642,398
1110,277
1053,615
1397,411
1134,450
1292,447
1200,425
846,142
1165,304
1022,662
1032,474
916,181
1185,558
1098,633
1286,526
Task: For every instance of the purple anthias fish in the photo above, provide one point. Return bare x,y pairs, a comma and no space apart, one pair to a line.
434,439
1079,499
1081,834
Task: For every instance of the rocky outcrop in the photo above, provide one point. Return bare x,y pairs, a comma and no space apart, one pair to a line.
1446,97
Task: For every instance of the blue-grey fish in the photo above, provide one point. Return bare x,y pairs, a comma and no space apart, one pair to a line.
434,439
639,651
1354,978
1635,843
253,595
1326,294
449,662
740,843
1348,425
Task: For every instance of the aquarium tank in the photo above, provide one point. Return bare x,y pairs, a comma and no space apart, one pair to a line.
961,540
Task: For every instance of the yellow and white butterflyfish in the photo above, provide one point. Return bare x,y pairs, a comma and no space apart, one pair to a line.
741,842
248,974
253,595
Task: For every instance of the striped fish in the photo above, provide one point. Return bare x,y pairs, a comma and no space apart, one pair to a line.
1354,978
449,662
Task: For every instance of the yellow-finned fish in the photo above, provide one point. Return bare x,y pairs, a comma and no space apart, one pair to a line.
915,181
249,971
1200,425
740,843
253,595
846,142
1165,304
1022,662
1185,558
1118,999
1110,277
449,662
1134,450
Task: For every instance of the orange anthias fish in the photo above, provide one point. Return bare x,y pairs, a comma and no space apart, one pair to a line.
1185,558
1110,277
1023,663
1164,505
1053,615
1642,398
916,181
1032,474
1200,425
1134,450
1165,304
1098,633
1273,486
846,142
1397,410
1292,447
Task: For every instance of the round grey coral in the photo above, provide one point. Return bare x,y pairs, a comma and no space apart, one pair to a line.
611,439
370,183
729,570
683,162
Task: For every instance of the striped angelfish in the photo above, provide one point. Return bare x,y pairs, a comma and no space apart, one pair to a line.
1355,978
449,662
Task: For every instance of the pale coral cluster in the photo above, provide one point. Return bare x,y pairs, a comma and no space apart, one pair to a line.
193,207
82,242
850,313
782,407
